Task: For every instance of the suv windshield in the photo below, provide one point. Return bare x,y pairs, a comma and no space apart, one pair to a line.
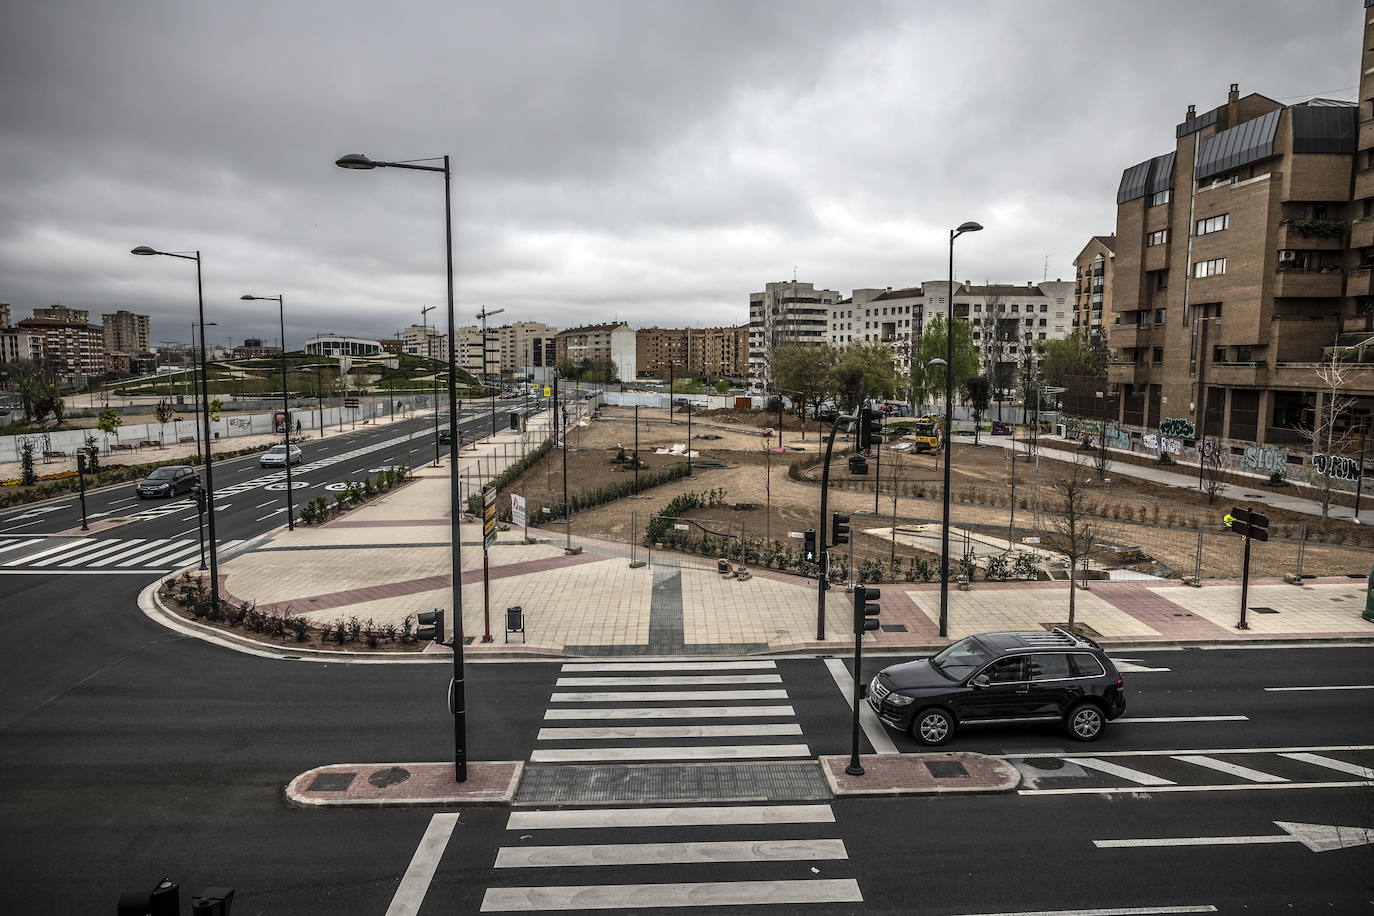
163,474
961,659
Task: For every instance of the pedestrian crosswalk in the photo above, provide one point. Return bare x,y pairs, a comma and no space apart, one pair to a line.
766,856
116,555
738,697
1217,769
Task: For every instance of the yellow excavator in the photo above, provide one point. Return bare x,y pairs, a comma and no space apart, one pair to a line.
927,433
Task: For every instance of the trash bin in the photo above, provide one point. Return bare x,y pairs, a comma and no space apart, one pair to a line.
1369,598
514,419
515,622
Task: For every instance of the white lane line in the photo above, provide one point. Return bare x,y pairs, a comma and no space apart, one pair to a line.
1212,750
615,854
874,730
660,732
42,553
268,503
684,680
1331,763
134,547
181,557
1232,787
1330,687
267,516
143,559
673,712
120,502
647,896
86,547
1148,720
717,752
1112,911
1234,769
1116,769
422,866
23,543
1133,666
110,547
649,696
701,816
574,667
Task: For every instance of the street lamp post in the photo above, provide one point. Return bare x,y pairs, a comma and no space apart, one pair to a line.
458,691
205,416
949,439
434,382
285,404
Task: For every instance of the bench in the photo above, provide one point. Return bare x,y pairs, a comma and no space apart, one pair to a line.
54,454
185,439
123,447
150,443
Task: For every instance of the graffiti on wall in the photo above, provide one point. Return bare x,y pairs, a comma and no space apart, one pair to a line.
1118,437
1336,466
1155,444
1076,428
240,422
1262,458
1181,427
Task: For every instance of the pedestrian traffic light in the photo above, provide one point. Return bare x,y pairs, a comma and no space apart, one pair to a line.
198,494
431,626
809,545
858,464
870,427
839,529
80,462
866,608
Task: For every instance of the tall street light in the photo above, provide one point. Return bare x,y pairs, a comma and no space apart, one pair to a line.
205,415
434,386
457,694
285,403
949,439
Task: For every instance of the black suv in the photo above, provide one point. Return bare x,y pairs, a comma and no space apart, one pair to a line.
1002,679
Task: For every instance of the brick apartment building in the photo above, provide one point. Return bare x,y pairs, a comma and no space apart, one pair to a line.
75,348
1242,260
709,353
126,332
1093,276
614,341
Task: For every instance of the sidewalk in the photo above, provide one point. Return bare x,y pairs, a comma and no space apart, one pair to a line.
390,558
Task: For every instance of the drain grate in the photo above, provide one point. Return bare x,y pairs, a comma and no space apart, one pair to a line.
389,776
1263,610
331,782
649,784
946,769
894,628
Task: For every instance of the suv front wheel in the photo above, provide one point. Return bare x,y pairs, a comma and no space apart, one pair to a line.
1085,722
932,727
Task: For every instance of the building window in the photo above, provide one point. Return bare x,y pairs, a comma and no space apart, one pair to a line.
1211,268
1044,307
1157,355
1212,224
1218,354
1157,238
1160,197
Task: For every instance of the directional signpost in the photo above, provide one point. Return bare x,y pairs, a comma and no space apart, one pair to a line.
1253,527
488,538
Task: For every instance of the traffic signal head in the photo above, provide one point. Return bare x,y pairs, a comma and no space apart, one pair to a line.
870,427
858,464
431,626
866,608
80,462
839,529
809,545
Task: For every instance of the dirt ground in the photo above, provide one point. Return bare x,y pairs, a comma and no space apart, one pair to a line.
761,496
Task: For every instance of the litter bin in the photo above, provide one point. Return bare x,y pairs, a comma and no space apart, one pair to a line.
514,419
1369,598
515,622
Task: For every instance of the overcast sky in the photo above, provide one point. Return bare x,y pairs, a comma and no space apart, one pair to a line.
649,161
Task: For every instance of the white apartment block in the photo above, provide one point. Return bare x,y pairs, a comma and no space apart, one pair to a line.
784,314
418,340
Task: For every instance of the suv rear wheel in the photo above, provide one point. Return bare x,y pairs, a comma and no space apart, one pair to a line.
1085,722
932,727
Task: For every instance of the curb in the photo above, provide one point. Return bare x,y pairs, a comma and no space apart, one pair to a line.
430,773
1003,779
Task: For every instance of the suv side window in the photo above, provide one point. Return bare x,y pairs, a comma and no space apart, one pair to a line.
1085,665
1050,666
1007,670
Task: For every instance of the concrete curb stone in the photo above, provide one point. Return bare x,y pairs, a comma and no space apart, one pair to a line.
907,774
404,784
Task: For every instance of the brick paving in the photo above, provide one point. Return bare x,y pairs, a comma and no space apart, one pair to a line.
488,782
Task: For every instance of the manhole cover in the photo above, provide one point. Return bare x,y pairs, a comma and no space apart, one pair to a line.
1254,496
389,777
1264,610
946,769
331,782
894,628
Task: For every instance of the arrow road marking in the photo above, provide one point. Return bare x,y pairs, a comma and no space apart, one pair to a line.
1316,837
1133,666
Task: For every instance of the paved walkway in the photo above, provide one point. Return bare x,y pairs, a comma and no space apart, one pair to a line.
390,558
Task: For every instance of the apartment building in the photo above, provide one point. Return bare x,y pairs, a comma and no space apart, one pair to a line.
125,332
63,313
784,314
710,353
16,344
614,341
520,347
1242,260
1092,291
418,340
6,315
76,349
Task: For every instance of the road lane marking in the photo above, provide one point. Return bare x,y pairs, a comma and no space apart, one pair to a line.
716,752
701,816
133,547
710,852
672,712
23,543
608,732
874,730
144,559
1329,687
415,883
111,547
574,667
1232,787
1170,753
1153,720
1115,769
647,896
685,680
1112,911
268,503
1234,769
42,553
92,546
640,696
1331,763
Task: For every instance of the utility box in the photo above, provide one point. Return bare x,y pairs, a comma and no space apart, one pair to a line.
514,419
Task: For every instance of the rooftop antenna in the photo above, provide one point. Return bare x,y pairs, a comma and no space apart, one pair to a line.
1046,275
794,273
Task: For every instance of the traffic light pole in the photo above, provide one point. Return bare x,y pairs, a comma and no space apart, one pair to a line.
81,476
855,768
823,551
1244,586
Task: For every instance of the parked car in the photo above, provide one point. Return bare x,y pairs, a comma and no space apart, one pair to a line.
168,480
275,457
1002,679
445,437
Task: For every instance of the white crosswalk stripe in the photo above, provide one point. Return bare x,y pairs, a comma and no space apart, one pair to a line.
1277,768
16,543
112,554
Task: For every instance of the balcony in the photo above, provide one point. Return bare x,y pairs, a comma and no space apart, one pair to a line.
1366,133
1364,184
1238,373
1128,336
1303,376
1308,282
1312,234
1358,282
1127,373
1362,233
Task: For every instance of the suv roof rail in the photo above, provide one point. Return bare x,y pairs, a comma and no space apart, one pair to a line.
1075,638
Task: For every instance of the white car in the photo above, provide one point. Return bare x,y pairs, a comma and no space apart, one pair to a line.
275,457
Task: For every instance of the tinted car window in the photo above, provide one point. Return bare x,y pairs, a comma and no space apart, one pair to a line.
1085,665
1049,666
162,474
961,659
1007,670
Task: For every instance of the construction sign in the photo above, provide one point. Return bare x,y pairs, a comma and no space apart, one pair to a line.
488,517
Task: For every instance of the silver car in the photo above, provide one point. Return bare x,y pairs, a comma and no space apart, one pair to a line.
275,457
